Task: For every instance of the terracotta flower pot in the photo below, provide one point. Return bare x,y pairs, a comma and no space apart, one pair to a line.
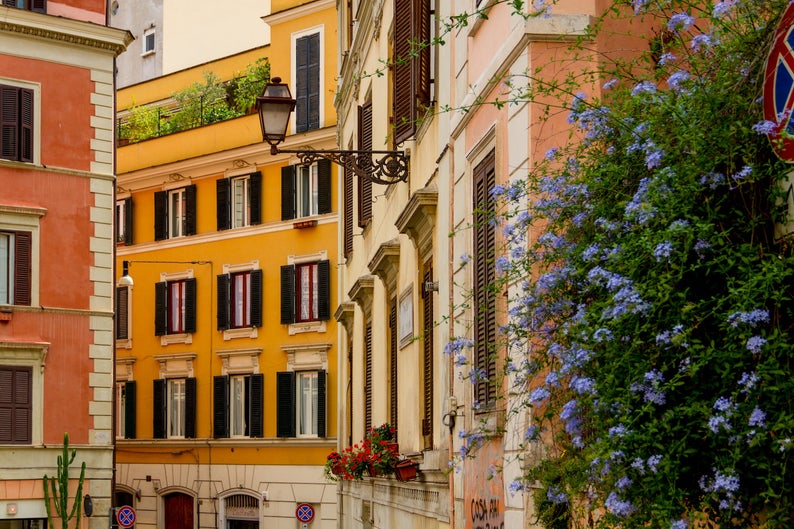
406,470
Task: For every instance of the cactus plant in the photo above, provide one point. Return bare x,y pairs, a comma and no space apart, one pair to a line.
60,496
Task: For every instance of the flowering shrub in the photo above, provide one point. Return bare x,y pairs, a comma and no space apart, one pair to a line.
377,454
654,296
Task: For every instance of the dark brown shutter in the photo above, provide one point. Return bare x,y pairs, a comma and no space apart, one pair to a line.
128,219
40,6
288,192
368,377
422,63
160,215
190,408
321,403
393,406
22,268
190,210
256,298
403,108
288,294
223,203
26,125
122,313
307,83
10,3
323,186
364,144
348,212
255,198
427,356
159,411
224,301
484,274
323,290
160,309
285,407
220,406
130,399
16,404
256,398
9,122
190,305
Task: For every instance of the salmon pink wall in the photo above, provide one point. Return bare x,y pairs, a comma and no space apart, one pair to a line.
66,109
85,10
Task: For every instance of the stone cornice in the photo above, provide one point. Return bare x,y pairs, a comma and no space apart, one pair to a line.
386,263
418,217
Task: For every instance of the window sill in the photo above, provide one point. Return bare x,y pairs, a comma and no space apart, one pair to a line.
169,339
123,343
309,326
244,332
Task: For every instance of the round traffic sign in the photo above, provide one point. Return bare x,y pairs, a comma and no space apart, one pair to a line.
304,513
126,516
779,87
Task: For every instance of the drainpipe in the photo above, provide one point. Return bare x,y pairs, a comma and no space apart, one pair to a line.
447,153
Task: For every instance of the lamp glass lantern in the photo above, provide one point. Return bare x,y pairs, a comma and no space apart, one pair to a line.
275,106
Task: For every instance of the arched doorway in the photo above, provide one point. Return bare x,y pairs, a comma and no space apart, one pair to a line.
178,511
241,511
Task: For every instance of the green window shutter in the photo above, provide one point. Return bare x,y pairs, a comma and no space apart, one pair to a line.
324,290
256,398
130,398
288,192
288,294
220,407
159,411
160,215
223,204
255,198
190,408
190,210
256,298
190,305
160,308
323,186
224,308
285,405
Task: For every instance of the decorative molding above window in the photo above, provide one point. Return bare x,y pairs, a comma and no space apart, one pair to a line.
240,361
345,314
362,292
418,218
176,365
307,357
124,368
386,263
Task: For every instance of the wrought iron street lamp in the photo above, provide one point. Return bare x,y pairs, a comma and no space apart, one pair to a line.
275,106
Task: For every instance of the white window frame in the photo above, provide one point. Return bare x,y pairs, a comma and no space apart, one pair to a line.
240,332
36,88
306,190
237,408
177,210
7,267
121,223
306,326
33,355
16,218
186,338
145,40
175,408
123,375
320,29
240,203
306,407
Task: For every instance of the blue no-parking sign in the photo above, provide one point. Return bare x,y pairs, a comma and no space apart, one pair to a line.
126,516
779,86
304,513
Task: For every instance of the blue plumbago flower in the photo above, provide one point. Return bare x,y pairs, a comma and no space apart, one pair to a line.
681,21
460,360
719,422
679,224
765,127
679,524
757,418
675,80
541,7
569,414
551,153
723,7
755,343
515,486
626,301
748,381
663,251
610,84
591,252
623,482
602,335
618,431
554,495
498,190
743,173
713,180
531,433
727,483
752,318
456,345
465,259
725,405
653,463
502,264
701,247
639,465
650,387
594,122
553,379
701,42
638,5
653,157
618,506
666,58
583,385
539,395
643,87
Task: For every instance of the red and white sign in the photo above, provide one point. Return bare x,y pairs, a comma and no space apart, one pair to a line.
126,516
779,86
304,513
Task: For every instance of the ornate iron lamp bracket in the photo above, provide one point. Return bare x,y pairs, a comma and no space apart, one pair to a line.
391,166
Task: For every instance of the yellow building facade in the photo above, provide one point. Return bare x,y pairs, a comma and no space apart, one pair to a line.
226,357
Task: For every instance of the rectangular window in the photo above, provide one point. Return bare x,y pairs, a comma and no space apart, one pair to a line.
125,410
240,211
240,300
15,268
175,307
239,201
411,77
123,313
238,405
175,213
124,221
148,41
16,404
16,123
39,6
176,407
301,405
305,190
305,292
307,82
